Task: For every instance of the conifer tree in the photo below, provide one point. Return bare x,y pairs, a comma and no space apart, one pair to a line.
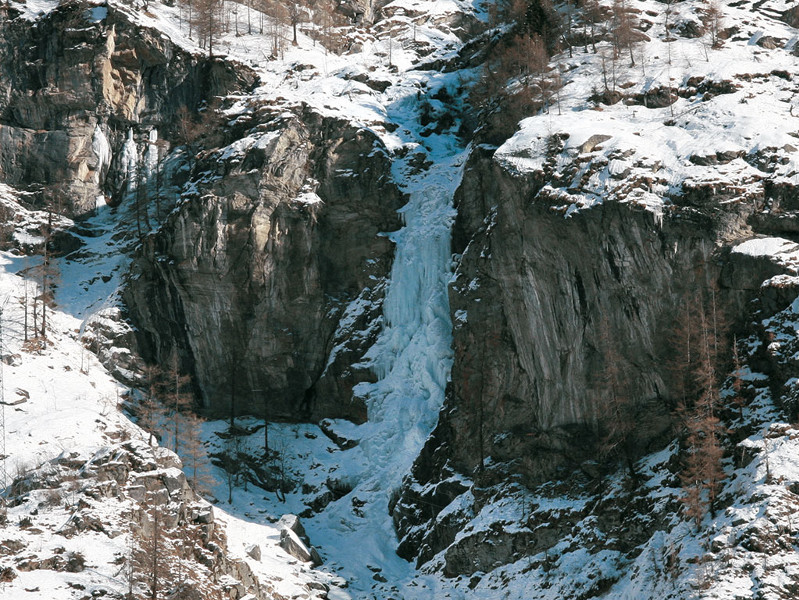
702,474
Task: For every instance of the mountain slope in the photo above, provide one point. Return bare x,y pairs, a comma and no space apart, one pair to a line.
473,381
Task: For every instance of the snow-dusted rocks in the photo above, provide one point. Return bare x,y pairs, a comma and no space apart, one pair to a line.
71,77
294,540
254,552
291,543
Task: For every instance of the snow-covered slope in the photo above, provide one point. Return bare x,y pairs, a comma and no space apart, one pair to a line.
687,116
74,462
412,355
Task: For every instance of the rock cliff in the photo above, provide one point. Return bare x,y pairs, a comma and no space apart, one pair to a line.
543,305
81,82
273,267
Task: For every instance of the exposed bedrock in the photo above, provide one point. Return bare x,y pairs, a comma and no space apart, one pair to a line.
76,85
542,305
269,280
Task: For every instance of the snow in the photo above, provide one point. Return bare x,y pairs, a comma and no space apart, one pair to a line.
663,148
766,247
70,409
779,250
412,356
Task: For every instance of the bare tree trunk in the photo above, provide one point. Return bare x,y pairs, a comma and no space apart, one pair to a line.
45,266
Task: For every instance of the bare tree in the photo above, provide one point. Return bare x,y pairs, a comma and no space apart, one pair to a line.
737,380
278,15
195,456
47,273
624,29
714,23
702,474
151,563
231,461
207,20
23,302
617,423
177,397
592,15
296,15
150,412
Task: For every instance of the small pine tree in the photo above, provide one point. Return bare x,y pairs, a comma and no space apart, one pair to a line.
195,456
703,475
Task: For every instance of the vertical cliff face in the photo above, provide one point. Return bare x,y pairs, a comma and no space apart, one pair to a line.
542,303
252,279
77,85
543,306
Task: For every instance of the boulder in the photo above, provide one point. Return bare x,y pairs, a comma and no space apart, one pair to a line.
292,522
292,544
254,551
591,143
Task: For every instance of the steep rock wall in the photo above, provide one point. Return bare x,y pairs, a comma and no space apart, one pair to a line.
542,306
75,84
251,278
540,301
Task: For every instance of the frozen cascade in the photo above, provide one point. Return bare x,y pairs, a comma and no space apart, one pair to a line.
102,150
130,161
151,156
412,358
413,355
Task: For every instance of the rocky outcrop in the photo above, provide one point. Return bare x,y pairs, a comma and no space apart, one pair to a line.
542,306
294,540
130,487
78,85
269,279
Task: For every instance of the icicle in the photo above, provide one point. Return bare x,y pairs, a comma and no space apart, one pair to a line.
151,155
130,162
102,150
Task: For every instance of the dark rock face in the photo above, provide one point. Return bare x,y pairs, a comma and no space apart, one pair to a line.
73,86
251,279
541,301
541,304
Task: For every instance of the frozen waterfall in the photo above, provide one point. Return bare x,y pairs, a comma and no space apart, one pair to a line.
413,355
